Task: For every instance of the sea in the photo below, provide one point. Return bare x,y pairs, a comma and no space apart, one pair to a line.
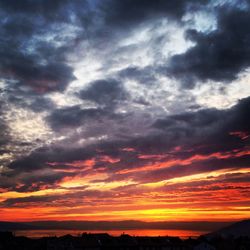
133,232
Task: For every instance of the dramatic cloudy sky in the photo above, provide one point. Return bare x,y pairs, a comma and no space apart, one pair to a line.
124,109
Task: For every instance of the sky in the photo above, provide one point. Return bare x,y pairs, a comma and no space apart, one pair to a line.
124,110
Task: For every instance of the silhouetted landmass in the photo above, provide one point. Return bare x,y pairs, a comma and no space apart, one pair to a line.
241,228
123,242
10,226
220,240
112,225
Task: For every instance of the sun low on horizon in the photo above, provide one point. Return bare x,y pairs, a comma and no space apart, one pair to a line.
115,110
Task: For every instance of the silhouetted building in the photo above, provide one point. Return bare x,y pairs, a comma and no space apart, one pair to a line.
124,242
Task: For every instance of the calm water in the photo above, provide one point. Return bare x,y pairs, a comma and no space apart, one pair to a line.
140,232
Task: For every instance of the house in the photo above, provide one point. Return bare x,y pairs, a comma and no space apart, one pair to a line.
242,243
204,246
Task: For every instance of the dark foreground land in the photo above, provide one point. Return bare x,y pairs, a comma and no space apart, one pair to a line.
124,242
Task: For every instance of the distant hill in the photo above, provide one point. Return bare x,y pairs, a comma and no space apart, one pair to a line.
112,225
241,228
12,226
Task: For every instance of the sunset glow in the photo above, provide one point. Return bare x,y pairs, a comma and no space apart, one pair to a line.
125,110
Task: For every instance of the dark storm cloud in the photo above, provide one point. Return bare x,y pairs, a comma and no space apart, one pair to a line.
106,92
41,64
3,128
69,199
15,202
28,56
210,130
26,98
131,12
200,129
40,104
38,182
32,182
200,118
42,157
73,117
219,55
34,70
205,166
211,125
28,6
167,172
33,65
80,117
204,132
39,158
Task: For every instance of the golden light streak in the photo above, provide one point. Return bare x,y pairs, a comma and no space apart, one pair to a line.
79,181
175,214
196,177
13,194
109,185
172,199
